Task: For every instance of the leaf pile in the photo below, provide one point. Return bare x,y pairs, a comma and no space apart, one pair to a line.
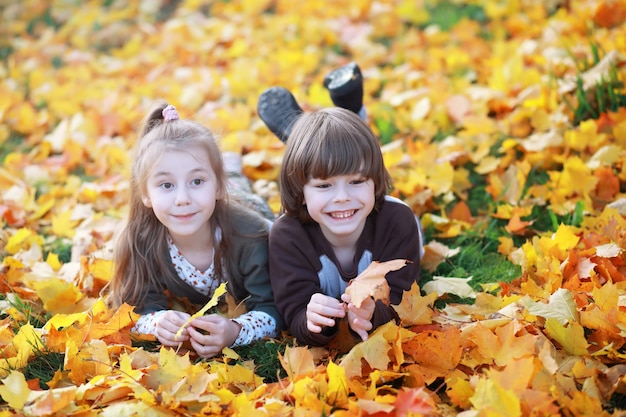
502,123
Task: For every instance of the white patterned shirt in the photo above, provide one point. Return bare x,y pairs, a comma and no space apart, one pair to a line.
255,325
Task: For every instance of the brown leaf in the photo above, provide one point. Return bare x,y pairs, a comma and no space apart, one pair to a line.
372,282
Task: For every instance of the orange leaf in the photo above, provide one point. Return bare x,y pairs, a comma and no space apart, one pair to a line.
372,283
610,13
297,361
516,226
414,401
415,309
437,352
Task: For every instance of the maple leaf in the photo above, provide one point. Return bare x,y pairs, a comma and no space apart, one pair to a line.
297,361
493,399
372,282
219,291
14,390
377,350
571,337
561,307
436,352
415,309
449,285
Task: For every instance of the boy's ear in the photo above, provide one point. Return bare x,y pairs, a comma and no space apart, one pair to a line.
146,201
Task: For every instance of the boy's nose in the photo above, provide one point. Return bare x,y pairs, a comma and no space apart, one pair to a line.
341,193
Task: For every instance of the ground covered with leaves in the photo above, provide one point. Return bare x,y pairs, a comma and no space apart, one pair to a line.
503,124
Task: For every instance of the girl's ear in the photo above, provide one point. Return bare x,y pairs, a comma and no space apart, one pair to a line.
146,201
221,193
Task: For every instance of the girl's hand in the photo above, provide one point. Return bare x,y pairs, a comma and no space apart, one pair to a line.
322,311
210,334
359,318
168,324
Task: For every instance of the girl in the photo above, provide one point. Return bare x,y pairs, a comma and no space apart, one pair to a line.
337,220
184,237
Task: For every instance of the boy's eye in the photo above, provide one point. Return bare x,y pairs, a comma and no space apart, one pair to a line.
359,181
325,185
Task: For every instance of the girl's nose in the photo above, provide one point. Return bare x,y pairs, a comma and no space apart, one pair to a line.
182,196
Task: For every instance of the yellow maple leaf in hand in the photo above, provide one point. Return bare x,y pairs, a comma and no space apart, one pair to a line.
372,283
219,291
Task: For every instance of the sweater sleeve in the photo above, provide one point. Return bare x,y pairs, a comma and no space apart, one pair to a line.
398,237
293,271
250,278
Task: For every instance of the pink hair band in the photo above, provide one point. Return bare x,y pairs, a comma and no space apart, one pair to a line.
169,113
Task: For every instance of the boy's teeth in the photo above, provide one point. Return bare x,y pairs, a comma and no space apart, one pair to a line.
343,214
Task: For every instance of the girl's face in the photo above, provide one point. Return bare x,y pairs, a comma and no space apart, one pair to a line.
340,205
182,190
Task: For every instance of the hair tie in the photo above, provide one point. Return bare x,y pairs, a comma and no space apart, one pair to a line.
169,113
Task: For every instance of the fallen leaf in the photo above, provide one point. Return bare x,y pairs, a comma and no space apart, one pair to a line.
372,282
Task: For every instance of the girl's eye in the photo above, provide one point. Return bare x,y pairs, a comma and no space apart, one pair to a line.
197,181
322,186
167,185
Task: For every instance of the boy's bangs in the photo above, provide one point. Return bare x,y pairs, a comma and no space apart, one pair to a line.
343,157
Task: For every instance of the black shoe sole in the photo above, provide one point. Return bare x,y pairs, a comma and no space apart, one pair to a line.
345,85
279,110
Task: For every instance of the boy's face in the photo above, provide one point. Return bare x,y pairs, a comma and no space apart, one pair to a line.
340,205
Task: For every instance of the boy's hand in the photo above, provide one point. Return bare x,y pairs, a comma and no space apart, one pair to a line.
359,318
210,334
168,324
322,311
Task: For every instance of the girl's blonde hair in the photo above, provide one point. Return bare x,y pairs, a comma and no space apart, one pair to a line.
141,253
323,144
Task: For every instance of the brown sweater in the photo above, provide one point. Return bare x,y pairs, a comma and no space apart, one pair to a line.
303,263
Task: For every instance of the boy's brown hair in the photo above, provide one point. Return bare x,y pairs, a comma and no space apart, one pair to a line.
326,143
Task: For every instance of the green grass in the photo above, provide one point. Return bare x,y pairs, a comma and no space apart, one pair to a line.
43,366
14,143
446,14
265,353
61,247
606,95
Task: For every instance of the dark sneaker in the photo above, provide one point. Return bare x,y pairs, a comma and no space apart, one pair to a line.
279,110
345,85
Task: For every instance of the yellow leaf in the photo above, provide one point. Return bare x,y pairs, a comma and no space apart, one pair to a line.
101,269
15,390
375,350
86,361
50,402
571,338
62,224
566,238
22,239
337,386
219,291
492,399
26,342
58,295
53,261
372,282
